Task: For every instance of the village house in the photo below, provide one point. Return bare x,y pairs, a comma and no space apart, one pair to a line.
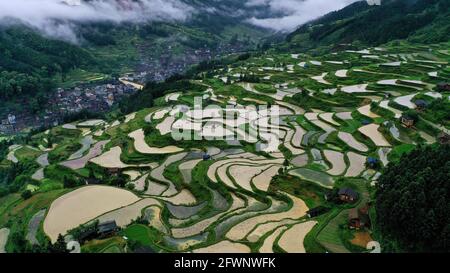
314,212
372,162
87,235
6,128
206,157
107,228
347,195
443,138
407,121
8,125
114,171
421,104
359,218
443,86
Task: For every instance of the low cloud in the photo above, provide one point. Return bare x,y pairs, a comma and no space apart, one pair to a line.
60,18
57,18
292,13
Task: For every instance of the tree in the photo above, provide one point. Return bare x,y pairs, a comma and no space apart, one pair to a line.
281,171
412,201
19,242
26,194
60,245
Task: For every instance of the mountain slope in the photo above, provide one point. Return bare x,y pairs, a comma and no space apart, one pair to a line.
33,63
418,20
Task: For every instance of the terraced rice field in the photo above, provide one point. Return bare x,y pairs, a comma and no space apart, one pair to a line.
224,247
352,142
239,231
291,240
209,192
268,243
83,205
79,163
337,161
125,215
142,147
33,227
314,176
357,164
371,131
265,228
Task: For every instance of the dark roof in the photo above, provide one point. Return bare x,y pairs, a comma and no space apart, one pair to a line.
317,211
366,122
421,103
372,160
407,117
348,192
107,226
86,234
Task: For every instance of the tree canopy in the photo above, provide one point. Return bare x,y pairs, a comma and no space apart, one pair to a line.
412,201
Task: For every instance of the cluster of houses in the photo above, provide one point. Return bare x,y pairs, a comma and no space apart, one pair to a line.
162,66
8,125
421,105
358,217
94,98
409,122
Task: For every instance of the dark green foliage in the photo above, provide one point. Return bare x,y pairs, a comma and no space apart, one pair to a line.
26,194
71,182
4,148
59,246
420,20
16,176
19,242
438,111
152,91
29,61
412,201
412,114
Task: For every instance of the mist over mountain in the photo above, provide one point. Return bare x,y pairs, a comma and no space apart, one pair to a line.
286,15
60,18
57,18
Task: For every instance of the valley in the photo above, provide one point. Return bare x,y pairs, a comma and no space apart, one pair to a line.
248,195
182,140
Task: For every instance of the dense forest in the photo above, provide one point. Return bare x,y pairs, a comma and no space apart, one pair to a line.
28,62
413,212
418,21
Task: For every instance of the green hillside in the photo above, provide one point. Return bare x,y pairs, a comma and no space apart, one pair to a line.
334,149
416,21
32,65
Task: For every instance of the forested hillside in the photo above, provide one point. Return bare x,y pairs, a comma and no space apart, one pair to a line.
33,64
28,62
417,21
412,201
